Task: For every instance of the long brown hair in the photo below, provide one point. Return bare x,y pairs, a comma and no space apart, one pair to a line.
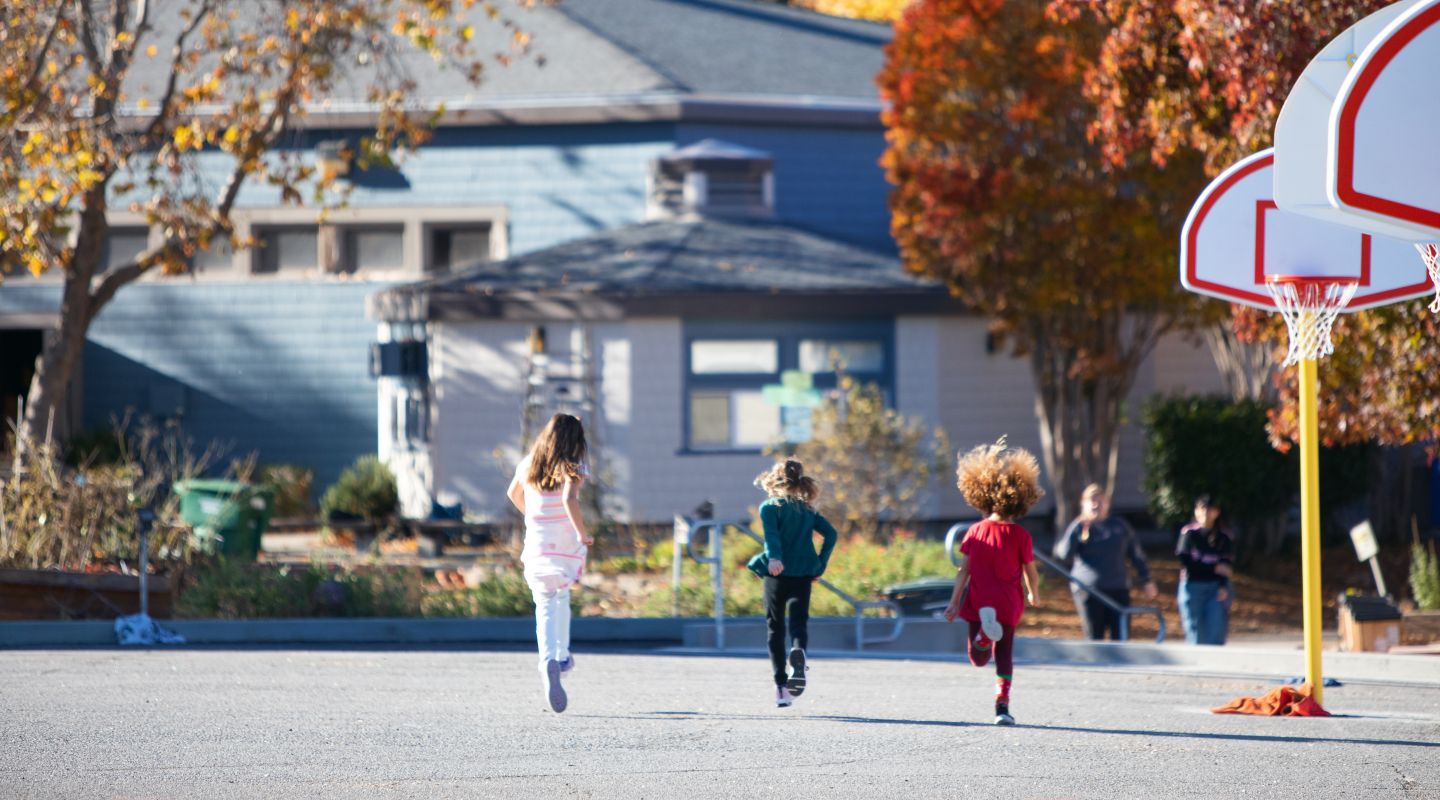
788,479
558,453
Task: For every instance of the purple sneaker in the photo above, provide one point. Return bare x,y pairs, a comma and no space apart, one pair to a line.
554,692
568,664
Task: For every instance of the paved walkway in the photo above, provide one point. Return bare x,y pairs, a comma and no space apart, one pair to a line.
342,723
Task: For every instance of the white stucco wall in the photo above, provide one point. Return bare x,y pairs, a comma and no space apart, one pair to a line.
664,479
476,372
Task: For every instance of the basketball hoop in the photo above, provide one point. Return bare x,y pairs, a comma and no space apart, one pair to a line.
1431,253
1310,305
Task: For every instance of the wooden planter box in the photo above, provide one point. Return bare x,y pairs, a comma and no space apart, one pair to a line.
50,594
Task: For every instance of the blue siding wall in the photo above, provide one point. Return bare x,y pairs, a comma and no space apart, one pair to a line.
558,182
277,367
827,180
562,182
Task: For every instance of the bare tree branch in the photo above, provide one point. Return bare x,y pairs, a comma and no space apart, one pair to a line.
38,60
87,40
157,126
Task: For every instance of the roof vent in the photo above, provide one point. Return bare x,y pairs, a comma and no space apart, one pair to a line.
711,178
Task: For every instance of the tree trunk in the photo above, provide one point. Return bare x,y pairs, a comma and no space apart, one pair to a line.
1079,411
1247,368
56,365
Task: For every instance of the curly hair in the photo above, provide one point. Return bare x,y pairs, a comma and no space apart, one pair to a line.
788,479
996,479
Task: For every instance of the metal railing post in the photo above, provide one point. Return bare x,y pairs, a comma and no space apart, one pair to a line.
714,528
679,541
143,520
717,547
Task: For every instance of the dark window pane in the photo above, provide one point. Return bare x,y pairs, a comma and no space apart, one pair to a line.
458,248
376,248
289,250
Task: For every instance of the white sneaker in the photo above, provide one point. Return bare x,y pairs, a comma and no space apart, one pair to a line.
991,626
783,698
1002,714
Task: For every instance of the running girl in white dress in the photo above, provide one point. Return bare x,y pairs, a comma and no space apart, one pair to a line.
546,489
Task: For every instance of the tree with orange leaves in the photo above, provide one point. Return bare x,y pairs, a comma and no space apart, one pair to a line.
1000,192
108,104
1177,78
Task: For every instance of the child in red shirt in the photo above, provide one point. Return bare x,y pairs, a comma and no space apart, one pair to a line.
1002,484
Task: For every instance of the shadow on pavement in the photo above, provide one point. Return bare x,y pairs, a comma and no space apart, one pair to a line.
1238,737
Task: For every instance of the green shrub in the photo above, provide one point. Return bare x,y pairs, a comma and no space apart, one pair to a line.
367,488
1216,446
504,595
223,589
291,486
1425,575
859,567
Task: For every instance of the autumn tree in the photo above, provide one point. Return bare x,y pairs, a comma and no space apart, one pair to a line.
880,10
1209,78
111,104
1180,78
1000,192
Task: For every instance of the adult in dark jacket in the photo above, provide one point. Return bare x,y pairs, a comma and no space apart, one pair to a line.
1100,544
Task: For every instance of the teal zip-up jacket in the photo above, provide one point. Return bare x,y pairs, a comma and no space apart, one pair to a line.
790,527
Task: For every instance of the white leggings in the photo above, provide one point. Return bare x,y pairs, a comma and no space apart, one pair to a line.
552,624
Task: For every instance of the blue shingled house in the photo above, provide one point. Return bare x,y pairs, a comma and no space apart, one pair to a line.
270,349
680,206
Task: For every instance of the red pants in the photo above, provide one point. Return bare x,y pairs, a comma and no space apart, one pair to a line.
1003,650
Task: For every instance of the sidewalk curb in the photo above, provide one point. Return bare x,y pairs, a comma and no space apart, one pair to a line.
659,630
667,635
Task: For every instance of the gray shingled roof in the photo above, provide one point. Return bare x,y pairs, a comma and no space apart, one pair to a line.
693,259
604,50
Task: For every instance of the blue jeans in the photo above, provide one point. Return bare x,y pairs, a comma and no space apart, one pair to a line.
1206,619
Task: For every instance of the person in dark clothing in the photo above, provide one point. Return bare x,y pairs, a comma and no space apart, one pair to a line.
1207,556
789,566
1100,544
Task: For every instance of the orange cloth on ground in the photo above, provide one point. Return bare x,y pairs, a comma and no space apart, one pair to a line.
1287,701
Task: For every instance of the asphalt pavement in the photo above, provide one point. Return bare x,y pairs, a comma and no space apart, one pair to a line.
438,722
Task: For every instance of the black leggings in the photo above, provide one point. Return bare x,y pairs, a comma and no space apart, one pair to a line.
782,594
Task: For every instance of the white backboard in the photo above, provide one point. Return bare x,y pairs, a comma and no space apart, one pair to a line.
1236,236
1302,131
1382,162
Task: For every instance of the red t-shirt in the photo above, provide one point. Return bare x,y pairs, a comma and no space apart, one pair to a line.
997,552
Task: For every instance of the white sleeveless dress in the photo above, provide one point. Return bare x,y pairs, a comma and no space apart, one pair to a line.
553,557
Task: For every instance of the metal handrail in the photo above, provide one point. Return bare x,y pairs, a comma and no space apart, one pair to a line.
958,529
712,527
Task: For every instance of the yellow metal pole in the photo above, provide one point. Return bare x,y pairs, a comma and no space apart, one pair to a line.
1310,522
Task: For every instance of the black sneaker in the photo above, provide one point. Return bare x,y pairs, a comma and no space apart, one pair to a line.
1002,714
796,683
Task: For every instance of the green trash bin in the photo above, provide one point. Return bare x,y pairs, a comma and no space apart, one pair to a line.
228,517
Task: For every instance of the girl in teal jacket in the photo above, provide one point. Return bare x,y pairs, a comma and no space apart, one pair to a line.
789,566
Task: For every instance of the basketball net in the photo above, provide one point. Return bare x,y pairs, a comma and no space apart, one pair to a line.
1310,307
1431,253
